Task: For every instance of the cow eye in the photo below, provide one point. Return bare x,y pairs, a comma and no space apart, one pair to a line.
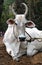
26,24
16,23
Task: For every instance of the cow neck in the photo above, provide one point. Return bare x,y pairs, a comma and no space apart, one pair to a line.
31,39
29,35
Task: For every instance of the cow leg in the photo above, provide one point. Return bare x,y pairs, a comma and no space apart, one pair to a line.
11,52
31,50
9,49
19,54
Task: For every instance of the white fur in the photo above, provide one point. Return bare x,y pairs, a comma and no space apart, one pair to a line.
36,45
10,42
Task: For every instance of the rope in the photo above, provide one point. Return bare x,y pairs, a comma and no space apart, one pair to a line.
32,39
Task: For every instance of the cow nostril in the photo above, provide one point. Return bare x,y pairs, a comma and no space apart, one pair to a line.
22,38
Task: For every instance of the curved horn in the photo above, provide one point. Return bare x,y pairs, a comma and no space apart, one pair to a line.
13,9
25,8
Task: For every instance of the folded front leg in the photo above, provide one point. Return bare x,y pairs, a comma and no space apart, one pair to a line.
31,50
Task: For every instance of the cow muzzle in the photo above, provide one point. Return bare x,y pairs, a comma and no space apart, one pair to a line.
22,38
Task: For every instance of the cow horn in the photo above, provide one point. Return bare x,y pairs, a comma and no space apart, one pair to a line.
25,8
13,9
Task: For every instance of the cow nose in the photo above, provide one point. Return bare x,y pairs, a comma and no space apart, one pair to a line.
22,38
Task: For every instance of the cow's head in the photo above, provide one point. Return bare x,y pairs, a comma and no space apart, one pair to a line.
20,21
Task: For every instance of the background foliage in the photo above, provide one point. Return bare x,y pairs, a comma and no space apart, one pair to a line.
34,13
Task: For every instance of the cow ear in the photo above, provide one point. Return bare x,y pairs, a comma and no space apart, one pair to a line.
30,24
10,21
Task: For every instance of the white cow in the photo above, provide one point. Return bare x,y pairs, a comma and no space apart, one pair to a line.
14,38
35,45
14,46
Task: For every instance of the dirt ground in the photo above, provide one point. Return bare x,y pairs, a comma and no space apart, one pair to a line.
5,59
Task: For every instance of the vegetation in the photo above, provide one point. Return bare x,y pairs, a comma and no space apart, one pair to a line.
1,7
34,13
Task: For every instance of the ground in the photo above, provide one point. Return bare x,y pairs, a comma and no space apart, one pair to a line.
5,59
